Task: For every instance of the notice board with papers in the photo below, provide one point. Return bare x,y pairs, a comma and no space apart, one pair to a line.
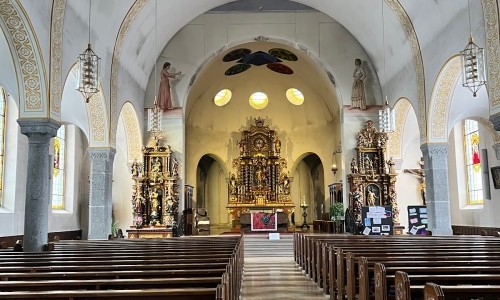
377,220
417,219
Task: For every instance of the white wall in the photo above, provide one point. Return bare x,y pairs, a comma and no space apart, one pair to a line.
216,193
16,163
326,39
122,181
408,185
13,198
461,213
69,218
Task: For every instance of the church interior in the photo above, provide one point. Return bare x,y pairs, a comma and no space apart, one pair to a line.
258,94
157,119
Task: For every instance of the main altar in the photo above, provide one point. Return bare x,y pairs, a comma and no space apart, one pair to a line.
260,181
155,196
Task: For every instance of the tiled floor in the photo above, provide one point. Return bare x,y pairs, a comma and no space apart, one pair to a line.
271,273
277,278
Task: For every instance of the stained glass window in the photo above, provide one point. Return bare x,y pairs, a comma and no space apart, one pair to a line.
3,105
473,163
58,169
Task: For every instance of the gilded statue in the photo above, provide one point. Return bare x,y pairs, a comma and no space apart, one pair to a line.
371,197
134,169
354,166
391,164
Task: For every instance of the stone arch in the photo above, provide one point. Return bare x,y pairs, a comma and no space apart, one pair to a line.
486,123
115,62
56,34
492,27
401,110
218,160
395,6
133,131
442,93
418,62
28,60
294,45
97,112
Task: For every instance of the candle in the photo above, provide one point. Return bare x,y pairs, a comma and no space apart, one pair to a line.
304,199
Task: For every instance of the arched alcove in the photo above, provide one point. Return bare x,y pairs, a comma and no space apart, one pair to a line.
212,189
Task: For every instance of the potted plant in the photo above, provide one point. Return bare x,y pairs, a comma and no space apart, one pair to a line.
337,211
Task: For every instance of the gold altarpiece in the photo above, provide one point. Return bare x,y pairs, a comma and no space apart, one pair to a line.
373,178
260,180
155,196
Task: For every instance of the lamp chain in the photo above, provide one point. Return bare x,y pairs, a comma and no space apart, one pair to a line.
90,9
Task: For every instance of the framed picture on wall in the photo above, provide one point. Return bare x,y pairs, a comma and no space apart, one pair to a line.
495,175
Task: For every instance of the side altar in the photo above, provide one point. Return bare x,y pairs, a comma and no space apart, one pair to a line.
155,197
260,180
372,181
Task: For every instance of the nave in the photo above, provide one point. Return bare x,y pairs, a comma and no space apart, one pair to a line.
302,266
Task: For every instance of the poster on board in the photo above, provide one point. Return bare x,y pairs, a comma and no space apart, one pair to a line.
377,220
417,219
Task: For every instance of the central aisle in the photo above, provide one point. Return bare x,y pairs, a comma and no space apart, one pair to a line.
271,273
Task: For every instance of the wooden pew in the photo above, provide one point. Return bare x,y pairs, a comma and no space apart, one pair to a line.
406,291
82,277
324,263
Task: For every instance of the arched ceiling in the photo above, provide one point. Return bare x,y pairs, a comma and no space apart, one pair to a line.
320,105
437,25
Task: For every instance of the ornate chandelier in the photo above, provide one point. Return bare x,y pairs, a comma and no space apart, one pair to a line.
88,70
387,118
473,67
154,119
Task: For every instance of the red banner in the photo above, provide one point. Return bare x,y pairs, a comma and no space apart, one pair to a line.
264,221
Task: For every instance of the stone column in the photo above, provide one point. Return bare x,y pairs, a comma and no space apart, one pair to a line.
36,216
496,148
101,175
437,194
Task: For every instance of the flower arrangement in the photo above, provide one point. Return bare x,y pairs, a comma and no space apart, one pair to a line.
337,211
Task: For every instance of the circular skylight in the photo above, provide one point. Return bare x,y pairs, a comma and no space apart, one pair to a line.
295,96
258,100
223,97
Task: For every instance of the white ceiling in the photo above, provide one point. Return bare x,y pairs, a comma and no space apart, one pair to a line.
441,27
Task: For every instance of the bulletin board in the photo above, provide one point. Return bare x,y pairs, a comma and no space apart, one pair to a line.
417,219
377,220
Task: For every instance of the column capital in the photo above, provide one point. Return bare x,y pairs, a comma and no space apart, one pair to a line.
435,149
38,130
102,153
496,148
495,119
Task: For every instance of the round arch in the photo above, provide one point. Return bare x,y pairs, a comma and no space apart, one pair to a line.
442,93
95,125
133,131
401,110
406,29
329,74
27,58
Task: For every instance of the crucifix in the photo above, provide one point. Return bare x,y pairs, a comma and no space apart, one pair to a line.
420,173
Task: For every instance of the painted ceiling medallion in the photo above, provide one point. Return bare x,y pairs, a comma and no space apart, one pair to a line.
273,60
